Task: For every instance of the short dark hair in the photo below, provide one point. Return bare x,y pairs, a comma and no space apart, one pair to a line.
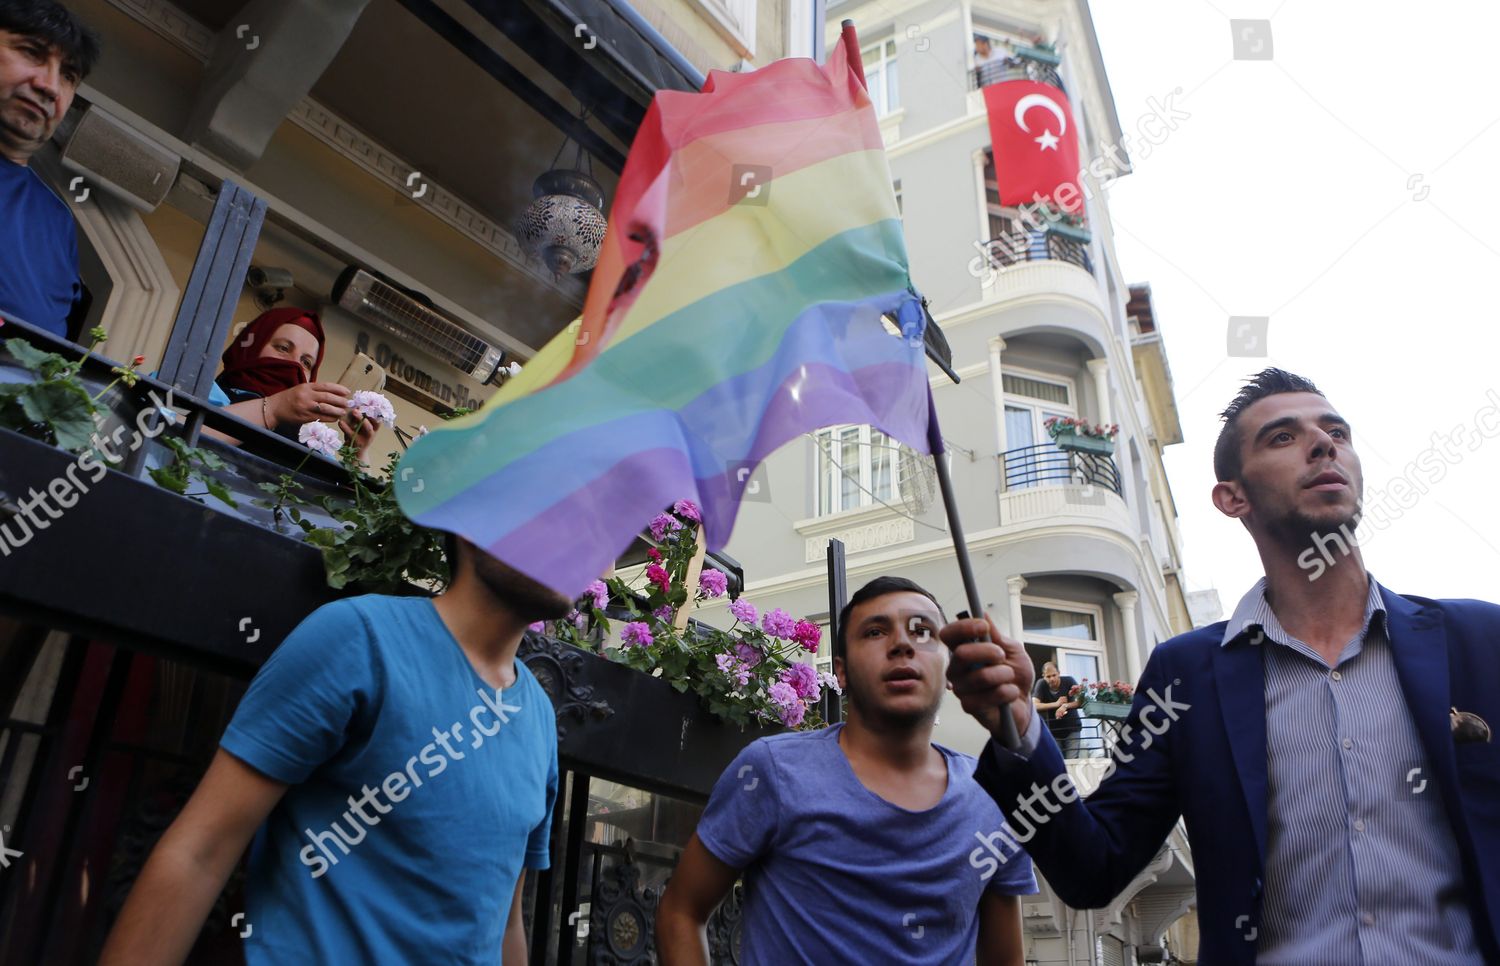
51,21
1267,382
878,587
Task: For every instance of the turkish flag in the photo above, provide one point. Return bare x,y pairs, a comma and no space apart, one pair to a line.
1035,143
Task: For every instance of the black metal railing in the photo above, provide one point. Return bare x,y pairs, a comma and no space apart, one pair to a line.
1045,464
1021,243
1015,68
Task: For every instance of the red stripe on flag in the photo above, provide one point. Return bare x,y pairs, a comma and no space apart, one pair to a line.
792,90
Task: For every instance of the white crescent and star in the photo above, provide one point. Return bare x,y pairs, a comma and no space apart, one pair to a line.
1046,139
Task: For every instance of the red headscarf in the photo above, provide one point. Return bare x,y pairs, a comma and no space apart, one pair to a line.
245,369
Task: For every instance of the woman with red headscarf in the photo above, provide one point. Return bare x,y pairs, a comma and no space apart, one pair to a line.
270,377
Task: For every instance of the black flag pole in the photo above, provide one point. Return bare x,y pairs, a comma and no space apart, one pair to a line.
938,351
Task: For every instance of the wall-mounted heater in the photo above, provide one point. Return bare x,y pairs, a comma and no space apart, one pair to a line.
393,311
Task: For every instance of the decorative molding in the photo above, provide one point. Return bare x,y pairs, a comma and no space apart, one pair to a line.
557,667
842,520
143,295
349,142
871,536
622,915
170,22
734,20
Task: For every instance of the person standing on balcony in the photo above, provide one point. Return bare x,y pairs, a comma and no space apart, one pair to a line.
372,843
987,60
862,842
1051,696
1329,745
270,378
45,53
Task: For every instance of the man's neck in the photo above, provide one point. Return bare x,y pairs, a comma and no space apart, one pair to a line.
1324,612
902,748
488,631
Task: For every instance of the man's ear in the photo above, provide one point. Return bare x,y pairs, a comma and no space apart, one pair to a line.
1231,500
838,672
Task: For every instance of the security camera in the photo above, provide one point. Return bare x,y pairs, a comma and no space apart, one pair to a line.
270,284
269,277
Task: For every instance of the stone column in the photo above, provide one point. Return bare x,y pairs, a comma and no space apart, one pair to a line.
1126,601
1099,368
997,386
1016,585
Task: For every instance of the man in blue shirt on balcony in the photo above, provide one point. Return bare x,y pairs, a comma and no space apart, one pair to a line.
862,842
397,766
44,54
1329,745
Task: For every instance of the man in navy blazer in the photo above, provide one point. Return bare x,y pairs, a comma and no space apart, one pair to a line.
1329,746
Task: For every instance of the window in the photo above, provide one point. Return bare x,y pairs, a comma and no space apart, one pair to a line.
1029,402
1069,637
896,187
858,466
880,76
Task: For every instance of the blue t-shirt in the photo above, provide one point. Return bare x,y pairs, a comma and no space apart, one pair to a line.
38,251
452,784
836,874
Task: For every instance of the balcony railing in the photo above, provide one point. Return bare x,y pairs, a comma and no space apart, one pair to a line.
1014,68
1046,464
1020,244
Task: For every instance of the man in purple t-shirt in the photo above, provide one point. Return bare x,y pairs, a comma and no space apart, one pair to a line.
862,842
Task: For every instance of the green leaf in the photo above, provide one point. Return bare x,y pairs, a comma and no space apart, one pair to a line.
168,478
65,407
221,492
47,364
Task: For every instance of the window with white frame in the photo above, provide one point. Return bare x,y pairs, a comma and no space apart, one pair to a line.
881,78
1067,635
858,466
1030,400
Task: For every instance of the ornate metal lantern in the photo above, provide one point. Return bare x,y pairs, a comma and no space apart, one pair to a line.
564,226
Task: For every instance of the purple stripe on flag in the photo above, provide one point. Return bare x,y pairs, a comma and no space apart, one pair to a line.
811,397
576,539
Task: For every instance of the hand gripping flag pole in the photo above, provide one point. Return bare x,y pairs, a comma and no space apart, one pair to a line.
1008,736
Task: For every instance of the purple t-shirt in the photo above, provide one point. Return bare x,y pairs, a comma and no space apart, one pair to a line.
835,873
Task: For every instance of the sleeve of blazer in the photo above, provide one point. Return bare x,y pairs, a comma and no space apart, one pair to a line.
1089,851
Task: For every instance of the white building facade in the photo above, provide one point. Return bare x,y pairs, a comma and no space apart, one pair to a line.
1076,554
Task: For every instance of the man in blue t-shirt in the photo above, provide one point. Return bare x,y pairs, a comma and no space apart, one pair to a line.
45,52
397,766
863,842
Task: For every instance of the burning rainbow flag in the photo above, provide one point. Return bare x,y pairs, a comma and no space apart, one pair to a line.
754,251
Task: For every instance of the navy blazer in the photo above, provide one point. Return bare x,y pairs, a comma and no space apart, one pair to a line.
1209,766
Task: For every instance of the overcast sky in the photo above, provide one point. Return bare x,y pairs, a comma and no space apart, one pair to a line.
1345,190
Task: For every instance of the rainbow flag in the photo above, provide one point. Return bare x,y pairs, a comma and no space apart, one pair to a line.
754,251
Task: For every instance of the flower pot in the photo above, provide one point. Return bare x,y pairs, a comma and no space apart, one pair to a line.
1077,233
1040,55
1084,444
625,725
135,564
1106,709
